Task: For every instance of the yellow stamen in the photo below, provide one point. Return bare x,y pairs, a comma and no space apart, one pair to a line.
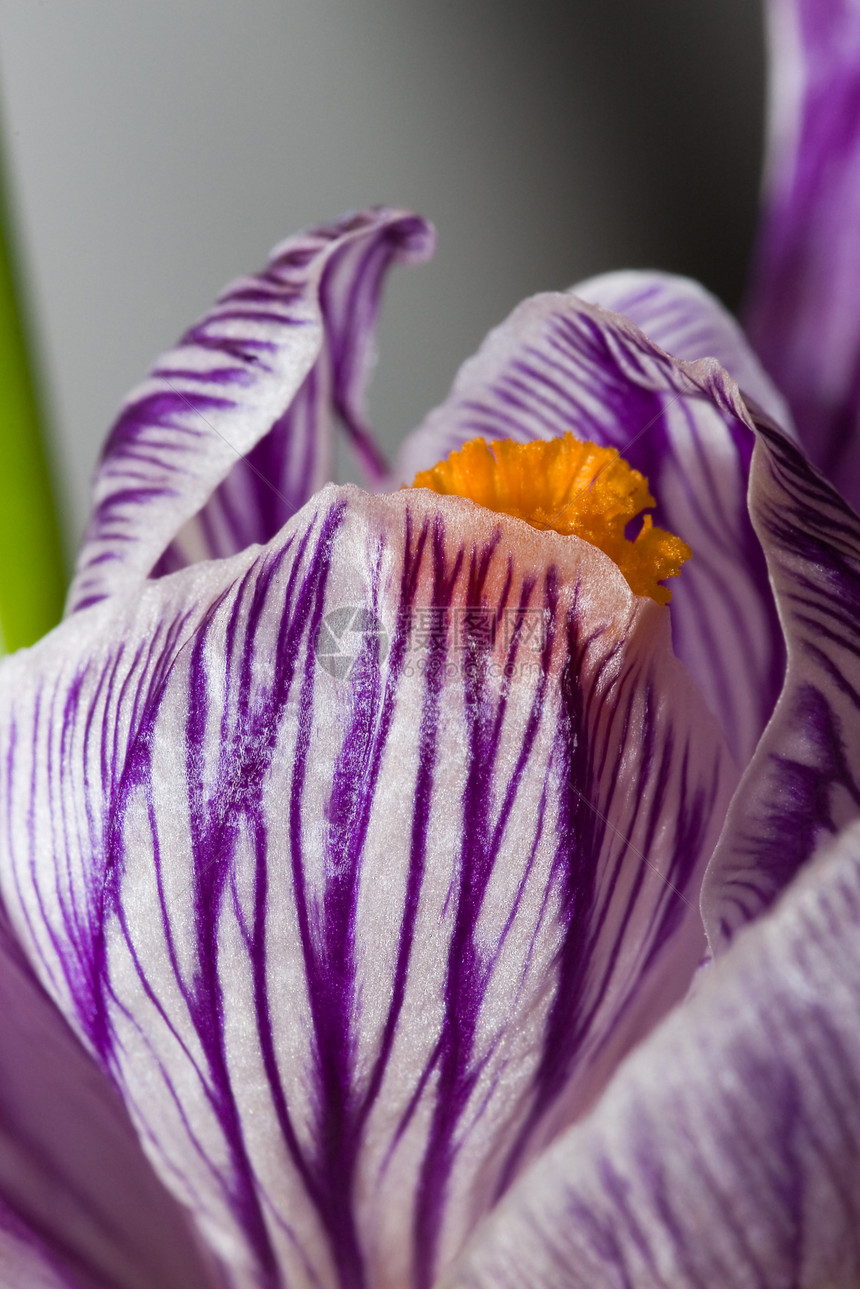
576,488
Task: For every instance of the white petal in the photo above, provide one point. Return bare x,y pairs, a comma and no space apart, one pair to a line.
680,316
356,947
803,783
244,401
727,1150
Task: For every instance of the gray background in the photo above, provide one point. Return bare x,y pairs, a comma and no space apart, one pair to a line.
158,149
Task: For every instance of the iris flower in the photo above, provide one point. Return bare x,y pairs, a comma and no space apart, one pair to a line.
395,890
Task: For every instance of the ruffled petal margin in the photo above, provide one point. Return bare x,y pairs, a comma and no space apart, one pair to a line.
726,1150
360,862
803,783
680,316
272,360
801,313
559,365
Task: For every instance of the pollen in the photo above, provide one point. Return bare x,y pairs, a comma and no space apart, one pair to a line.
577,489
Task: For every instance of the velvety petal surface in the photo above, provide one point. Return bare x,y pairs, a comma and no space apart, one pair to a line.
79,1204
803,783
727,1150
802,311
360,862
244,400
560,365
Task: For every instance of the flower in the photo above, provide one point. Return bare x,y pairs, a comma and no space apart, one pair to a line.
357,846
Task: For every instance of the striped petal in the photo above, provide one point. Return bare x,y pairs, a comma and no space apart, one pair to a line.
79,1204
803,784
683,318
802,311
559,365
244,401
727,1150
360,862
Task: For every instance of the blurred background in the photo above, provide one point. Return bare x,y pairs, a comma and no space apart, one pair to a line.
155,150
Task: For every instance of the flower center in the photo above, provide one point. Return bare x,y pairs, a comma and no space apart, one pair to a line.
578,489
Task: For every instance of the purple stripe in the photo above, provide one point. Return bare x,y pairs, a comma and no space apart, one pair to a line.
804,780
155,978
182,435
559,366
801,312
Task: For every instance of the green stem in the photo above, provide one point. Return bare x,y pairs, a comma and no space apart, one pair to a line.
32,578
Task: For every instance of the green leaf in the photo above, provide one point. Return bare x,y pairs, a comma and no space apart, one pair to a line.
32,577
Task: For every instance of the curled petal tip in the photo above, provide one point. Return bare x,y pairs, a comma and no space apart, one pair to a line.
230,434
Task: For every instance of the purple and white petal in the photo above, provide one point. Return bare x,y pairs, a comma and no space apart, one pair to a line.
79,1203
560,365
802,314
803,783
361,873
727,1150
244,401
24,1263
680,316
